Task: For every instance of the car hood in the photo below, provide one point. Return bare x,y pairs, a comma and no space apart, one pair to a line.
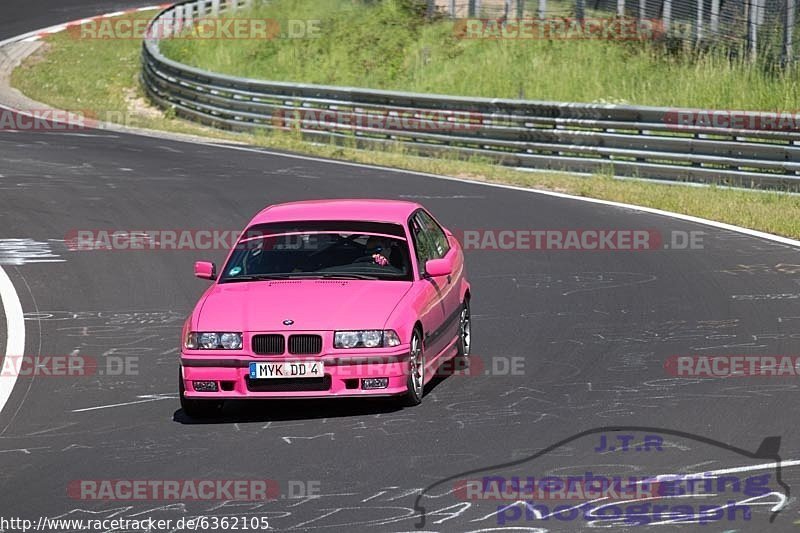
312,305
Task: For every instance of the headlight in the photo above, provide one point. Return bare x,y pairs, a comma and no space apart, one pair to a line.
371,338
231,341
208,341
346,339
213,341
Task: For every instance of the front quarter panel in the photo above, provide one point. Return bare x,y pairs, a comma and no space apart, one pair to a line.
415,306
461,268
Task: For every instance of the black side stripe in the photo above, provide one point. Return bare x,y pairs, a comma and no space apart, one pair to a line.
433,336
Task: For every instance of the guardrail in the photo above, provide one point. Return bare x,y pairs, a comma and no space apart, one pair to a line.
634,141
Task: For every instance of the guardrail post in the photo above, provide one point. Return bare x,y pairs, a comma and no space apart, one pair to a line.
620,8
666,14
579,9
542,8
520,8
642,9
215,8
471,8
452,8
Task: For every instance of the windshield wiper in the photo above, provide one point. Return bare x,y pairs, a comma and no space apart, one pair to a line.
257,277
333,275
327,275
299,275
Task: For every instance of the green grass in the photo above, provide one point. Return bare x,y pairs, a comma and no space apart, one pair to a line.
102,76
96,77
389,45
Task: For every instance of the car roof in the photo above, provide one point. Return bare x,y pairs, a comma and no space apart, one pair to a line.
366,210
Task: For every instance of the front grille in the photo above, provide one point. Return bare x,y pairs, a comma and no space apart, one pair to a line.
288,384
305,344
268,344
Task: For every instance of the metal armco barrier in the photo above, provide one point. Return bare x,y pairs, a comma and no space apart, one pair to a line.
634,141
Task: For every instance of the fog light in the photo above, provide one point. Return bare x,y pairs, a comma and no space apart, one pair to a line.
205,386
374,383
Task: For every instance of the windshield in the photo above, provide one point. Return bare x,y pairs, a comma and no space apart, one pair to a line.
264,254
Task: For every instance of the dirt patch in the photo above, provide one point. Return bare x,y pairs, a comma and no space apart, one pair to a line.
139,106
38,56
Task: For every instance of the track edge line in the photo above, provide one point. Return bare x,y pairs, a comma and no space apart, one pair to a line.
15,341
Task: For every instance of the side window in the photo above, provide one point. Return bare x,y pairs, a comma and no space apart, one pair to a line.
436,235
422,243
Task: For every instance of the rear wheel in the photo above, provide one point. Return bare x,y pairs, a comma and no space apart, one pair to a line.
416,371
197,408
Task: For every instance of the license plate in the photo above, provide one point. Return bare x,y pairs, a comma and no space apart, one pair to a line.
296,369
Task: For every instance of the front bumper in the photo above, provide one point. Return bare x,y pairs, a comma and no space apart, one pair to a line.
343,375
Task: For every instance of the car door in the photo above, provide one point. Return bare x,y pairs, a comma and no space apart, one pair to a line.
448,285
429,296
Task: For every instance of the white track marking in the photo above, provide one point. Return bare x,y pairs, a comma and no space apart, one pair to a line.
145,399
651,210
15,341
734,470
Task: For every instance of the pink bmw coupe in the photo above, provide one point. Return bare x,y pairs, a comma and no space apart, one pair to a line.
327,298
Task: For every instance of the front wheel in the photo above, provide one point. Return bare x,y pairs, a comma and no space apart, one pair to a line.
464,332
416,371
197,408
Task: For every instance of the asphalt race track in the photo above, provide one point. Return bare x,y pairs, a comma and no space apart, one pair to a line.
592,330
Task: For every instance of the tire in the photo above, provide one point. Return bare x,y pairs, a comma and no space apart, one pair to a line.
197,408
464,343
416,371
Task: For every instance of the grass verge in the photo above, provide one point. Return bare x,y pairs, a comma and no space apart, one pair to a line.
392,45
101,77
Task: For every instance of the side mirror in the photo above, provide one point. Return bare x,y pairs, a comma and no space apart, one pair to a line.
205,270
439,267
